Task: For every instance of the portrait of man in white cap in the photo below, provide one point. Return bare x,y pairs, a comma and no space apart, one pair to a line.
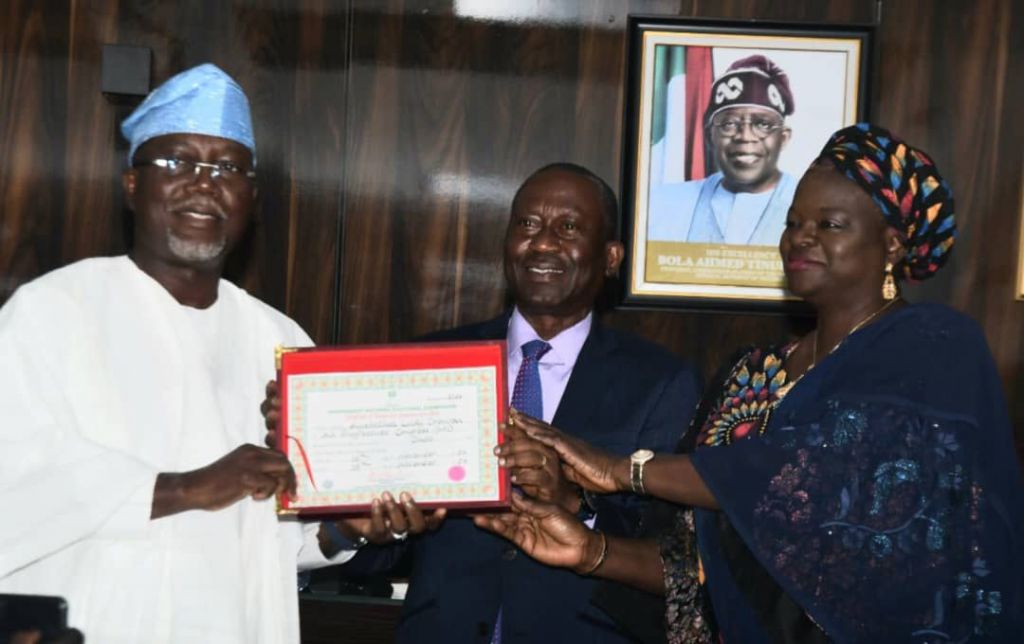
130,476
745,201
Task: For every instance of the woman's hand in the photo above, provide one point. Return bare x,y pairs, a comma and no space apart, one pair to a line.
536,469
589,467
547,533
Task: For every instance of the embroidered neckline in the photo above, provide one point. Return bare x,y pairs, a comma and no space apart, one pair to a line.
756,385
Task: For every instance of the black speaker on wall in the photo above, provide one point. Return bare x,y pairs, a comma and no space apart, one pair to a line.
125,71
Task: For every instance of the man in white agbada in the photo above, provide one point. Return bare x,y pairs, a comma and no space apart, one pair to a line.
131,391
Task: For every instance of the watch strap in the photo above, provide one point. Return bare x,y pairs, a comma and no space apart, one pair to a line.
636,475
340,541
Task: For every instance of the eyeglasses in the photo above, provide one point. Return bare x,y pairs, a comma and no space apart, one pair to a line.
761,128
177,168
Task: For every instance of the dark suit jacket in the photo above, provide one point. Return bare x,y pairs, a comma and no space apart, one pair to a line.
624,393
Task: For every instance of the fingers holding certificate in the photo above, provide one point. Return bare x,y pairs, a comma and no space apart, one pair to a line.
536,468
418,419
390,520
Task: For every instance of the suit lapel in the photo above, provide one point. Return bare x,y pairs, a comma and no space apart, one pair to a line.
495,329
591,377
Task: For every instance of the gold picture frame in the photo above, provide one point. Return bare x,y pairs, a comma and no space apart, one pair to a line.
1020,246
669,158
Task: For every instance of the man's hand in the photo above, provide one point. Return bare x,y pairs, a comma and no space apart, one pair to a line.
391,520
388,517
546,532
535,468
271,410
591,468
246,471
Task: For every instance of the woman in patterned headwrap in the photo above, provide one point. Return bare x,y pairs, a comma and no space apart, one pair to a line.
858,484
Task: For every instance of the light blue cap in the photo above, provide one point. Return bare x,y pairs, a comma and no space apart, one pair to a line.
201,100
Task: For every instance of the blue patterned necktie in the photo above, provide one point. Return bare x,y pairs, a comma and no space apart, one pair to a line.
526,397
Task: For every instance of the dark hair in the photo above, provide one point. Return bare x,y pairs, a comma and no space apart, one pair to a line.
609,202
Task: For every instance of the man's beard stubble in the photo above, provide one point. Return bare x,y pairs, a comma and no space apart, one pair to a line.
193,251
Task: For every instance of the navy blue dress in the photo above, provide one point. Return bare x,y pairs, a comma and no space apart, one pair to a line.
881,497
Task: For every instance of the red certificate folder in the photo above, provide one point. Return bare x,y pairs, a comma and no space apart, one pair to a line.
417,418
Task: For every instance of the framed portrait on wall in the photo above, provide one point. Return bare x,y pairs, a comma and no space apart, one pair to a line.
1020,249
722,119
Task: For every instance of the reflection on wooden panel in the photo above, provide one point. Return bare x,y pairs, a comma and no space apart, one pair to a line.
32,135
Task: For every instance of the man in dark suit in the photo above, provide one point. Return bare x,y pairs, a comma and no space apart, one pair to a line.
613,389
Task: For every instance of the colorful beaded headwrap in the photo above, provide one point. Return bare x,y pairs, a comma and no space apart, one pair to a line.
907,187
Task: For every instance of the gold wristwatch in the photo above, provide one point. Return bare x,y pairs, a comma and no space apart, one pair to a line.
636,469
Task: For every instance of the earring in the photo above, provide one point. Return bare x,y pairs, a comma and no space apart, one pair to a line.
889,291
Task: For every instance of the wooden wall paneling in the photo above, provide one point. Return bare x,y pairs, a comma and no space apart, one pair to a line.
291,59
318,171
33,101
371,156
92,223
432,214
824,12
301,104
948,85
475,103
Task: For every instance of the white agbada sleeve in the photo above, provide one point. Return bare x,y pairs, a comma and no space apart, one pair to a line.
311,557
56,485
